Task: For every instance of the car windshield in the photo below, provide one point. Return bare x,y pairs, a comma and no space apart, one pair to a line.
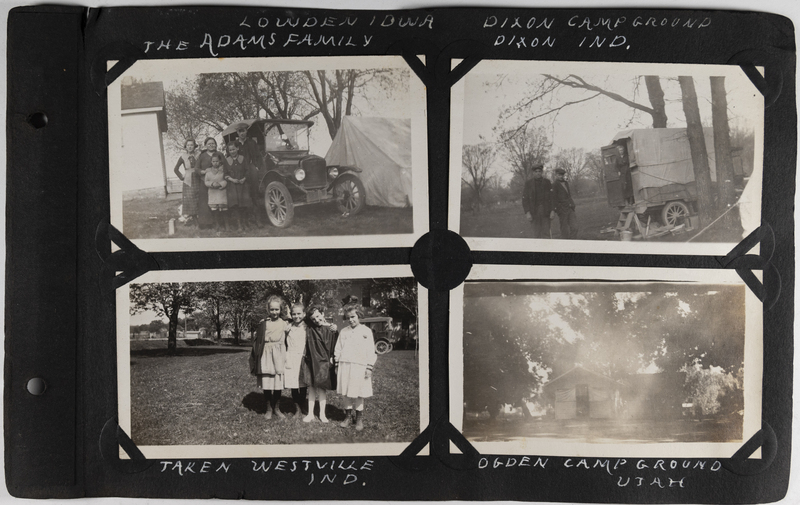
286,137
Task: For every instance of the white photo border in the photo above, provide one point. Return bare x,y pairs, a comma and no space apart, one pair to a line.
156,69
556,275
266,451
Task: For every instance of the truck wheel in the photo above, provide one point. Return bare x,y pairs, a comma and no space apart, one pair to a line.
674,213
279,204
350,194
382,347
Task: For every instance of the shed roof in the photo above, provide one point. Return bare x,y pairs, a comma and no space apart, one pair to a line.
580,369
142,95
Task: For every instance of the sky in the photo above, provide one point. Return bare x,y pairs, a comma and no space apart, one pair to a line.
592,124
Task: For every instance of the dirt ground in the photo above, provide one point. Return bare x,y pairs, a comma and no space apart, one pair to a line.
603,430
506,220
147,217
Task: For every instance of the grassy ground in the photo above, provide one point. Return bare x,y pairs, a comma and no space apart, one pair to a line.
603,430
148,217
593,214
206,395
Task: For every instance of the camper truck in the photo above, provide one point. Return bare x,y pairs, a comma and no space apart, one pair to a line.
292,176
651,170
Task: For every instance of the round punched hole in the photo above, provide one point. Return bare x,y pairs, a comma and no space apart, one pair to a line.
36,386
38,120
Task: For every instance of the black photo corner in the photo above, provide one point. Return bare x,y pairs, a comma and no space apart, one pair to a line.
301,160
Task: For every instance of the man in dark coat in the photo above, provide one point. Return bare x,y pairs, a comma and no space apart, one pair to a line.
255,161
565,205
537,202
317,372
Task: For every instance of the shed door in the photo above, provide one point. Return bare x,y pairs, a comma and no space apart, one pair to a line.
582,401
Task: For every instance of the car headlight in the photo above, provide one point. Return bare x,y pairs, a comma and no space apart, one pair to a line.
299,174
333,172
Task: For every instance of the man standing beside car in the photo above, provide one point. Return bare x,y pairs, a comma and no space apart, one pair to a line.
565,205
255,163
537,201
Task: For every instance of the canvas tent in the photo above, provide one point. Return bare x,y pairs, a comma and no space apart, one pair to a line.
381,148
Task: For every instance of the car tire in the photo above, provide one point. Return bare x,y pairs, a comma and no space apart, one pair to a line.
674,213
382,347
350,195
279,204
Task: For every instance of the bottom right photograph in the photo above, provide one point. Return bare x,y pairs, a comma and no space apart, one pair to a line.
612,362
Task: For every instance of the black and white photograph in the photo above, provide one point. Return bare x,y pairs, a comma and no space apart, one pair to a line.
606,157
626,365
273,362
268,152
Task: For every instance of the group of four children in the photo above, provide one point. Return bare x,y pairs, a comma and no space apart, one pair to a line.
309,354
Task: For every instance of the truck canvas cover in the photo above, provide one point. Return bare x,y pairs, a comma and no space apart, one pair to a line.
381,147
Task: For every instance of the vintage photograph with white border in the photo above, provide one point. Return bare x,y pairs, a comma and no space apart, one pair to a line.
622,169
602,362
202,371
278,153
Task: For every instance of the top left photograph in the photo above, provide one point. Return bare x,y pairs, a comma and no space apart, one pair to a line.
279,153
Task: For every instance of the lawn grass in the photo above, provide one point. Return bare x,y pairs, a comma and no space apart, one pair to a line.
147,217
205,395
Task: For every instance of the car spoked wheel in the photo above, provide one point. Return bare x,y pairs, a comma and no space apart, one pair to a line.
279,204
674,213
350,195
382,347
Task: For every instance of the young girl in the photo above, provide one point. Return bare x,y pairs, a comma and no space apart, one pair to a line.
217,196
316,371
268,357
191,180
295,348
355,356
205,218
239,201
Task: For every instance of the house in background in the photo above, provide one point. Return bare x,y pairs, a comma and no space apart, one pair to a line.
583,394
144,120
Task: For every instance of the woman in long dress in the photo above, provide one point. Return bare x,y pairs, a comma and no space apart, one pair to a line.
191,180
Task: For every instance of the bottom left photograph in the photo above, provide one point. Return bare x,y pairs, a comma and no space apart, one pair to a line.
273,362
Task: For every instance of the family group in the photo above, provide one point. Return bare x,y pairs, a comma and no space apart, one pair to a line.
216,184
310,357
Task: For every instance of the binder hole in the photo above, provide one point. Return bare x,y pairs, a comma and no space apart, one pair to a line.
36,386
38,120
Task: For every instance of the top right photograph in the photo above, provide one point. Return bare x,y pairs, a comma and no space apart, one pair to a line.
605,157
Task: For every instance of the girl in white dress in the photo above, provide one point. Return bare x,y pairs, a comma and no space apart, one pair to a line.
355,356
295,348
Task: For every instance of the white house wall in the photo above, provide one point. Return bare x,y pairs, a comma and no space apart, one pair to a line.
142,154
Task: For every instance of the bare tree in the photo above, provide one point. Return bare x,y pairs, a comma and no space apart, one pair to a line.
524,148
594,166
697,146
722,150
573,161
476,162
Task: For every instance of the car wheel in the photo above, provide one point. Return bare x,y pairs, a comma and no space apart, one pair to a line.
279,204
674,213
382,347
350,194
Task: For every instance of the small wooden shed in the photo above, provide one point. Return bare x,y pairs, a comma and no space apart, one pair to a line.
581,393
144,120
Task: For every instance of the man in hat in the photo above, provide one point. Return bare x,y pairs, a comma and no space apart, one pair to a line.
564,205
255,163
537,201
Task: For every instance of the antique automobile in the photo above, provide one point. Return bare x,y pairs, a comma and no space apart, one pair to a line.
383,332
290,176
650,170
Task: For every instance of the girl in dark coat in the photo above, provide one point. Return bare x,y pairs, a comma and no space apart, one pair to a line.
317,371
